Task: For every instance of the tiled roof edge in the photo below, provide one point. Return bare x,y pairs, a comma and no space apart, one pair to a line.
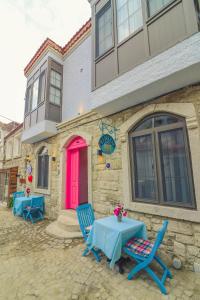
61,50
14,130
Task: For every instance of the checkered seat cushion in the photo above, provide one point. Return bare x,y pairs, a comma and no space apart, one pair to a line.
139,246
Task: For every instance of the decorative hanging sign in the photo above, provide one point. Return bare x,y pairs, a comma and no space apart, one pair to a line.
107,141
107,144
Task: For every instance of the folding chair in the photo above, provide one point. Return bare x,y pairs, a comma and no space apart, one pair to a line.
86,218
16,195
35,211
144,252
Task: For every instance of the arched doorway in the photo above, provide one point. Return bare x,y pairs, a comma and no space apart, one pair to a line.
76,173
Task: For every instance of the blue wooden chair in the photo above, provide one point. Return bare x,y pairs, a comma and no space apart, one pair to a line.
16,195
86,219
34,212
144,252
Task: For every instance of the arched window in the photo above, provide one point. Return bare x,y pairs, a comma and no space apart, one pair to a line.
160,161
43,168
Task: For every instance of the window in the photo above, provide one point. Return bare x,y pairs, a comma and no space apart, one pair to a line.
42,81
43,168
160,162
104,29
155,5
35,94
197,4
28,99
55,87
129,17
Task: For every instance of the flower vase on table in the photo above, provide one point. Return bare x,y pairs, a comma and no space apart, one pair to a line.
119,212
28,190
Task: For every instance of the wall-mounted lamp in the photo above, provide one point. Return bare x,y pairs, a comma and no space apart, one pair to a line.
99,152
28,159
53,158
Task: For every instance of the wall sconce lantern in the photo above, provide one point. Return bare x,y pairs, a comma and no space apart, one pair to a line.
53,158
99,152
28,159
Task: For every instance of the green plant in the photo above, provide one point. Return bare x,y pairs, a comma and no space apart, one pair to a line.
10,202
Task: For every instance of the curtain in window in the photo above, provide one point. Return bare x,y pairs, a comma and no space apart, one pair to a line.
35,94
129,17
42,87
174,166
144,167
43,169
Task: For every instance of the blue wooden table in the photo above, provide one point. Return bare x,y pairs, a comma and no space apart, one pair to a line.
21,202
110,236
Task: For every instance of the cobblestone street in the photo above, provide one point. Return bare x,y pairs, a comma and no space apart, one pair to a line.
34,265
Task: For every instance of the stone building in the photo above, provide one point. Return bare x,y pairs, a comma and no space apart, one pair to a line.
5,129
114,116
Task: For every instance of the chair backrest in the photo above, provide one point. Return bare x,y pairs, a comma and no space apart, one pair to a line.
159,237
18,194
37,202
86,217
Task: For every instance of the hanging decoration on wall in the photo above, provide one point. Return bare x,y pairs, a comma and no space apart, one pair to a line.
30,178
29,169
107,141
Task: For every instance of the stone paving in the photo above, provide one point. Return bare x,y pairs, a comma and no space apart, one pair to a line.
34,265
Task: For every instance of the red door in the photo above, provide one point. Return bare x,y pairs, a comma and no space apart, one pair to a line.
76,164
74,180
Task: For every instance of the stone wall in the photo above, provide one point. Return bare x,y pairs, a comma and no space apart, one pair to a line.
183,237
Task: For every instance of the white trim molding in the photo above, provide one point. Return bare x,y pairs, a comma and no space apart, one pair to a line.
186,110
88,138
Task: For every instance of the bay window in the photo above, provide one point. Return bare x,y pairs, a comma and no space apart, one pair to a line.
156,5
55,87
104,30
160,162
34,101
129,17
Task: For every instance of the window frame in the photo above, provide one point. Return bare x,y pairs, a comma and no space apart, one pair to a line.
157,11
154,131
55,87
44,169
130,33
108,5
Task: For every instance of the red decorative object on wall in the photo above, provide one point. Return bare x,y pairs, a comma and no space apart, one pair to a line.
30,178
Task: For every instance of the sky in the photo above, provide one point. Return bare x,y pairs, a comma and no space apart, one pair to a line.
24,25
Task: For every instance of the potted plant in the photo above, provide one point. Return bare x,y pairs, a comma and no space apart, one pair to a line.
119,212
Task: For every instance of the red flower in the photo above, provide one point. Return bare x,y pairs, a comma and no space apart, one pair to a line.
28,190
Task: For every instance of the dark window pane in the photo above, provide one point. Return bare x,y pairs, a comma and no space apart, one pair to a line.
147,124
145,185
28,99
43,168
42,87
46,171
176,183
104,38
39,171
164,120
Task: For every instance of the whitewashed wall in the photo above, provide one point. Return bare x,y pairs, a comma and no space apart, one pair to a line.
77,81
